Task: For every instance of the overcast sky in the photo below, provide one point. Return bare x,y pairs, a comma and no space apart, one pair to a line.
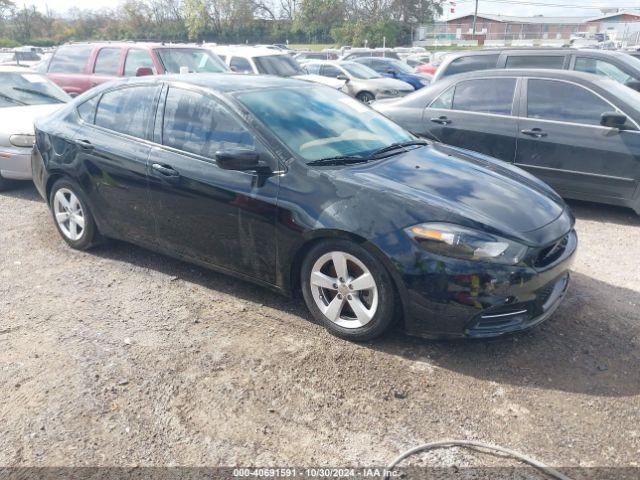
462,6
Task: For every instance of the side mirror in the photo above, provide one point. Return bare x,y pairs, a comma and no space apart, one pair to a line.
238,159
613,120
343,77
635,84
144,71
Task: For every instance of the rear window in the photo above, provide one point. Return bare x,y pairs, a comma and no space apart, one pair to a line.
137,58
471,63
535,61
280,65
70,59
127,110
490,95
196,60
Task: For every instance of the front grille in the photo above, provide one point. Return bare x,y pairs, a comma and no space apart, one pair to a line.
551,253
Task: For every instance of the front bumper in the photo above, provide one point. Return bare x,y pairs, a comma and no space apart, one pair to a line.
15,163
451,298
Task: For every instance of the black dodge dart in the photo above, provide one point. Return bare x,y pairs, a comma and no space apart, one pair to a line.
298,187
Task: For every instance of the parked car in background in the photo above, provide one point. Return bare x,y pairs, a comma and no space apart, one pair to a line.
25,58
415,60
433,64
297,186
578,132
362,82
24,96
390,67
266,61
354,53
77,67
305,56
618,66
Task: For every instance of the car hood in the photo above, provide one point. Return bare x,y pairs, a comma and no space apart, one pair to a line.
19,120
386,84
440,183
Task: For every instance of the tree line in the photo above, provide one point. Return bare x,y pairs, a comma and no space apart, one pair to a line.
345,22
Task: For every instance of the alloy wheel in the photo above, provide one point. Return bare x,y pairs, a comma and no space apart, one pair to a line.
69,214
344,289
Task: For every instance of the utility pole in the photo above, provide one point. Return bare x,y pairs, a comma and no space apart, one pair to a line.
475,20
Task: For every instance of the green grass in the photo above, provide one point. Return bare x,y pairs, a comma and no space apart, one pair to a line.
312,46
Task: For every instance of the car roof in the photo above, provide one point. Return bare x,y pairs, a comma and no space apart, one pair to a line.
525,72
534,50
221,82
246,51
134,44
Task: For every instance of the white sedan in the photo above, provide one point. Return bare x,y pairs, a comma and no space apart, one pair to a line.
24,96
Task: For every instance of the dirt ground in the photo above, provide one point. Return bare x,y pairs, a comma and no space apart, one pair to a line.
123,357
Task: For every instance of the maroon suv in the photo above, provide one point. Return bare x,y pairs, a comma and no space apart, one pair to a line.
78,67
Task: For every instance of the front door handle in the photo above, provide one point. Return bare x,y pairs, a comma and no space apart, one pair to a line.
165,170
442,120
534,132
84,144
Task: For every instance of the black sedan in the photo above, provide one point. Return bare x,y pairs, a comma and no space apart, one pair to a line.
578,132
299,187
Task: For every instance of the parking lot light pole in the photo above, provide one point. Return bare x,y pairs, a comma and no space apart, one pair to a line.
475,19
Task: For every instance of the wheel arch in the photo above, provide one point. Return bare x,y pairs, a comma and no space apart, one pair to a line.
317,236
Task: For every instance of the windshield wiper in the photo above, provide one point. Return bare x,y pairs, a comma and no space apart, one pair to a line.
397,146
339,160
11,99
37,92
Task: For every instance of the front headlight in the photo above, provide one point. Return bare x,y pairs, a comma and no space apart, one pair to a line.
22,140
390,93
465,243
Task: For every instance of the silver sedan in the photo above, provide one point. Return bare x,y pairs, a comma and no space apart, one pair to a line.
361,81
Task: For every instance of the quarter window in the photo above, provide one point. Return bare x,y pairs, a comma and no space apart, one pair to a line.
565,102
70,59
602,68
87,110
107,62
535,61
199,124
136,59
491,95
127,110
444,101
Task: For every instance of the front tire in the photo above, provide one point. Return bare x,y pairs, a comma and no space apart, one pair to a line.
365,97
347,289
72,216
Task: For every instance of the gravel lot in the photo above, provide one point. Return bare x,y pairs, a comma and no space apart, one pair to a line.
122,357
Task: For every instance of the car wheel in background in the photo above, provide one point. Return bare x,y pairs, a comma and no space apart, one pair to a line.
347,289
365,97
72,216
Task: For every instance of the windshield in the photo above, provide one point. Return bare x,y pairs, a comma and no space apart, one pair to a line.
197,60
318,122
280,65
360,71
403,67
626,94
29,89
632,61
28,56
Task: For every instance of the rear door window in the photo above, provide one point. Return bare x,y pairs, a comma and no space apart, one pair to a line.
70,59
564,102
602,68
535,61
471,63
487,95
137,58
240,65
330,71
199,124
127,110
107,62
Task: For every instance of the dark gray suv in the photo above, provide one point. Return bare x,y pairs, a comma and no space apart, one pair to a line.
618,66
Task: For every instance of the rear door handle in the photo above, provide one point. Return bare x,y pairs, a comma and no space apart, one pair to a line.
165,170
84,144
534,132
441,120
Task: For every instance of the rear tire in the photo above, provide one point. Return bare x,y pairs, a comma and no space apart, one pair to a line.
347,289
72,216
